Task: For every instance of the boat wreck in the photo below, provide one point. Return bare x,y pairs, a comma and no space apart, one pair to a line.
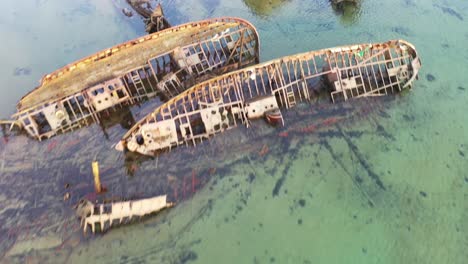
154,20
107,215
262,90
160,64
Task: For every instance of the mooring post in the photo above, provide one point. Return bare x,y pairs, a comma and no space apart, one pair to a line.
97,180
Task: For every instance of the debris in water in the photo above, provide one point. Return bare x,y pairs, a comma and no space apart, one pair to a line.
449,11
154,19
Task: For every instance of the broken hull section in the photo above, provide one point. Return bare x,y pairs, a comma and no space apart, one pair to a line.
258,91
161,64
107,215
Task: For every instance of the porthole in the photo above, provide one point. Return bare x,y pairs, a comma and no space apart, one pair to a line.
140,140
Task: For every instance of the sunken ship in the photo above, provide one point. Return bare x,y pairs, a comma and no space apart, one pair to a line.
262,90
164,63
104,216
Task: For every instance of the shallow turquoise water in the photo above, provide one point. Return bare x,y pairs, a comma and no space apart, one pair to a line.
313,197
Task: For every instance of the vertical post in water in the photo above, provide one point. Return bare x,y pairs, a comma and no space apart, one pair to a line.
97,180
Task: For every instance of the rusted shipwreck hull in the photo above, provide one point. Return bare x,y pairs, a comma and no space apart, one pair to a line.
109,214
254,92
164,63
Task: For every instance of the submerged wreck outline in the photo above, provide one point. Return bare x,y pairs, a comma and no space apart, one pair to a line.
261,90
166,62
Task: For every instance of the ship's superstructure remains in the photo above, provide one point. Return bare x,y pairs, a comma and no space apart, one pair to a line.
164,63
236,98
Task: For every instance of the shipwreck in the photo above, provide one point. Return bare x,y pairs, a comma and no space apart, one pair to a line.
154,18
261,91
164,64
107,215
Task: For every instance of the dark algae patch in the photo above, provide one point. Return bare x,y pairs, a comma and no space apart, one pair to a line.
21,71
337,159
461,153
251,177
402,31
449,11
430,77
187,257
278,185
382,132
302,202
363,161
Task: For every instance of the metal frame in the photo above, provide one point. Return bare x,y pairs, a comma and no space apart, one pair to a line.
143,82
289,80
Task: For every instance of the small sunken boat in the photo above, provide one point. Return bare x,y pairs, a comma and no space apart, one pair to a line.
164,63
107,215
262,90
